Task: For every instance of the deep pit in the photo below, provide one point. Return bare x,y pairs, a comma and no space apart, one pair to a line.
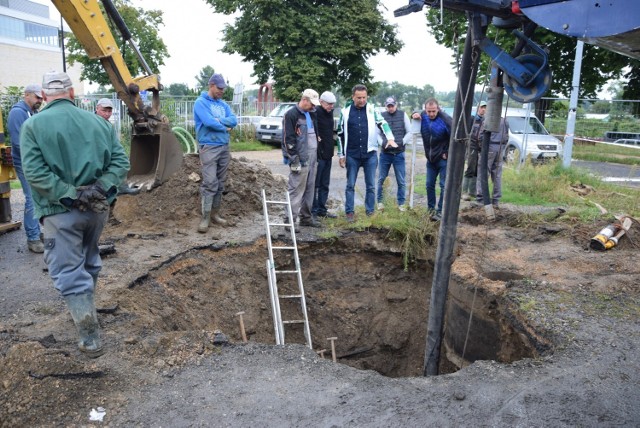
356,290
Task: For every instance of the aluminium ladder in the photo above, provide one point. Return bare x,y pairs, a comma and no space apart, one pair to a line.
273,273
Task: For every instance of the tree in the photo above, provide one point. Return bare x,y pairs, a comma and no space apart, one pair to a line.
598,65
143,27
178,89
202,79
317,44
409,97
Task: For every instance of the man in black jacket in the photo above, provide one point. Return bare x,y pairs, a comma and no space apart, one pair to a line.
326,142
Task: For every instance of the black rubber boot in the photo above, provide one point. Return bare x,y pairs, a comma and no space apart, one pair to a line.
85,317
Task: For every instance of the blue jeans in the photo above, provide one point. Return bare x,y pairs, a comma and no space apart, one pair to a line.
435,169
31,225
397,160
369,164
321,193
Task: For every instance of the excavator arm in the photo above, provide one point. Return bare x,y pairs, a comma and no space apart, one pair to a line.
155,152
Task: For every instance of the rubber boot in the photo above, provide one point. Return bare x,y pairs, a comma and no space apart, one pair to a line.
215,210
207,201
465,189
85,317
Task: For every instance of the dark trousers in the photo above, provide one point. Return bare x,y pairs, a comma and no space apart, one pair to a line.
321,194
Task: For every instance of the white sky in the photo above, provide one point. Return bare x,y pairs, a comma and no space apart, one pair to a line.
192,33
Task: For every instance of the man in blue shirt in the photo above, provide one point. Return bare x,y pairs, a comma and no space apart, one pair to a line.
358,131
18,114
214,120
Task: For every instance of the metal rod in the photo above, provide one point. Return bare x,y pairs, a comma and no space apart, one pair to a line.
453,183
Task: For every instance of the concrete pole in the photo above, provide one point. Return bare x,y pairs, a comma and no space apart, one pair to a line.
453,184
573,107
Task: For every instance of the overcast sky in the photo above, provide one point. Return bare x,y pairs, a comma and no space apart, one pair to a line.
192,33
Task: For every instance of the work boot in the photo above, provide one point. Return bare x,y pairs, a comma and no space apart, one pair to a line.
35,246
83,312
215,210
215,216
207,201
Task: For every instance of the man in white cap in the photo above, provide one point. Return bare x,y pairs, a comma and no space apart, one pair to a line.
326,142
300,151
214,120
74,163
19,113
104,108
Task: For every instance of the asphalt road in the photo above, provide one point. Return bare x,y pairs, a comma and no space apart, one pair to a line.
624,175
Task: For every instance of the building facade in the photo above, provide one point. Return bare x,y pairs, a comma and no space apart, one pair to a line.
30,45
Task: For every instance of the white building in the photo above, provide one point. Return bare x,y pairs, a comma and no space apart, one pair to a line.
30,45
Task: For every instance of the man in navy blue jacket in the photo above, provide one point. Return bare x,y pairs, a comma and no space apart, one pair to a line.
435,127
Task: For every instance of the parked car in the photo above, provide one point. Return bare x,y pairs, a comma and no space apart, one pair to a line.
628,142
270,128
529,137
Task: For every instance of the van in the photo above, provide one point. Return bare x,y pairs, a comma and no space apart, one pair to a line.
529,137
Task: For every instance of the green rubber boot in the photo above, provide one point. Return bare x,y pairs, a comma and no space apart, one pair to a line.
85,317
207,201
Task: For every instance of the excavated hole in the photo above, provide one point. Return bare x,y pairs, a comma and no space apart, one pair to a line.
355,291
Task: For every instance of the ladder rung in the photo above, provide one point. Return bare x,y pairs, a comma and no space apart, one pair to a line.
277,202
293,322
286,271
280,224
283,248
291,296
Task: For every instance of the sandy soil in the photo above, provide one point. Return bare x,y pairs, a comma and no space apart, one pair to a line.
553,340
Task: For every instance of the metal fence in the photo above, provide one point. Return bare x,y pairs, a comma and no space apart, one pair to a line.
596,119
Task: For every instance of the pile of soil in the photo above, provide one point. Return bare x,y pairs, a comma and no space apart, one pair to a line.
178,200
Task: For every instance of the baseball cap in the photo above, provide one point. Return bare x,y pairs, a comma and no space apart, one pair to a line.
34,88
218,80
56,80
390,102
328,97
104,102
482,104
312,95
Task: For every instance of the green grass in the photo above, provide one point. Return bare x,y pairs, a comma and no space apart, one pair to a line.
607,153
553,185
249,146
15,184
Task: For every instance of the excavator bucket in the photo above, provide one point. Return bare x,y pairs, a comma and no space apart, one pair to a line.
154,158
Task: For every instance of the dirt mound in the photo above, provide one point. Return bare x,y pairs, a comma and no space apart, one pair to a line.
177,201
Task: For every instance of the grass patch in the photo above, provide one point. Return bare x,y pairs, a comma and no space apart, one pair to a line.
575,189
606,153
413,230
249,146
15,184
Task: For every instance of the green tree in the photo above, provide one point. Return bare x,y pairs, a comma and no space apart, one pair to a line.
598,65
320,44
178,89
202,78
409,97
143,25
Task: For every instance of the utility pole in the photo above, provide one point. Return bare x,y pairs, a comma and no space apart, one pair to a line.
453,183
573,107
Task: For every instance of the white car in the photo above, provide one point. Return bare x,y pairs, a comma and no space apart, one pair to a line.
529,137
269,129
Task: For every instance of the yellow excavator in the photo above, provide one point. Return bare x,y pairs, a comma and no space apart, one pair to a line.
155,150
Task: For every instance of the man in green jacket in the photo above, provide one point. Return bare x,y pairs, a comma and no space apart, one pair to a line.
74,163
